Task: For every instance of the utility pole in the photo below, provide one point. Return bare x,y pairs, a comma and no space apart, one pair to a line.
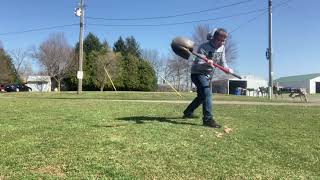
80,13
269,52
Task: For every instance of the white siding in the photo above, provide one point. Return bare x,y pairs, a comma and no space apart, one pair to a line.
40,87
313,85
252,82
255,84
39,83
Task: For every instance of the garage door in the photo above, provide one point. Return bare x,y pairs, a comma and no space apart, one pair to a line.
317,87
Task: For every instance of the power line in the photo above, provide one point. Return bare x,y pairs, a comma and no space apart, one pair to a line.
170,16
150,25
259,15
249,21
37,29
178,23
282,4
137,25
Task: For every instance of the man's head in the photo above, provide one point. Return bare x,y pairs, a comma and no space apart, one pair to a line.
217,37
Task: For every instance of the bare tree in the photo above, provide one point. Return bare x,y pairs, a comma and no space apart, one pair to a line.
154,58
27,70
105,61
21,63
200,34
57,57
231,50
177,72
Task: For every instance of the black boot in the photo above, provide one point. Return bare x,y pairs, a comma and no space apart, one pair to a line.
211,123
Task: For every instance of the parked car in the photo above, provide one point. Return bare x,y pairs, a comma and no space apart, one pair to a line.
17,88
2,86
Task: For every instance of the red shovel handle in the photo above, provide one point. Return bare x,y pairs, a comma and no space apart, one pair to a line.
226,70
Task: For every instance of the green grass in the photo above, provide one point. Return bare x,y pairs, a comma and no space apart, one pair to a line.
71,136
149,96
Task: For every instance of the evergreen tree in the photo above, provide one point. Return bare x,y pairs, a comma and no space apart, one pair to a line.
147,76
130,72
133,47
90,44
8,73
119,46
115,71
130,45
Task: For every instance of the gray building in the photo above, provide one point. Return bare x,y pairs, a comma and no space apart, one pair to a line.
310,82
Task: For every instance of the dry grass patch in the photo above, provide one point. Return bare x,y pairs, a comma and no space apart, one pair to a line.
51,170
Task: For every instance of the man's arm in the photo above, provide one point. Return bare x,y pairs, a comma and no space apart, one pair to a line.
223,59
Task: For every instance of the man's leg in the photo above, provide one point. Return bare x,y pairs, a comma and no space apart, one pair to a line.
206,96
197,101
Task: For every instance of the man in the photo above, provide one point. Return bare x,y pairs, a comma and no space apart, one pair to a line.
201,75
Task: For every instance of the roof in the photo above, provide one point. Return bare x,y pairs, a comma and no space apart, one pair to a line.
298,78
38,79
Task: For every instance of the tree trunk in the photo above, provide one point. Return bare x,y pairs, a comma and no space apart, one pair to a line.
101,88
59,84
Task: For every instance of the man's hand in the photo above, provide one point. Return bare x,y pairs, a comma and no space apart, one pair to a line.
192,57
230,70
210,62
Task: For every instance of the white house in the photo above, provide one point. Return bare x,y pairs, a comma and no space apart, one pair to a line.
311,82
39,83
248,82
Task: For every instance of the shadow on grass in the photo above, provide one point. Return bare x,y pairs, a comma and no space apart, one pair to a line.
72,98
92,98
108,126
142,119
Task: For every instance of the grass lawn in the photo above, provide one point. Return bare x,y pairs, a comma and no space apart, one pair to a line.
151,96
65,135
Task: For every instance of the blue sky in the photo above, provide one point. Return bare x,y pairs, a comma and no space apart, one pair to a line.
296,27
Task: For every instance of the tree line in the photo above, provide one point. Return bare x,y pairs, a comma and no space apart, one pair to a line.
128,66
123,64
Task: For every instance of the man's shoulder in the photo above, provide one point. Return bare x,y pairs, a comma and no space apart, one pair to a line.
205,45
208,47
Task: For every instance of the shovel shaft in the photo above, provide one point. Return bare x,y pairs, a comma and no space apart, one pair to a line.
226,70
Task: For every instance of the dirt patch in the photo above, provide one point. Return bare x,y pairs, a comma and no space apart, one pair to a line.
226,130
3,178
51,170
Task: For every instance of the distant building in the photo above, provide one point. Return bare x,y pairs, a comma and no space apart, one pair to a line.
311,82
39,83
249,85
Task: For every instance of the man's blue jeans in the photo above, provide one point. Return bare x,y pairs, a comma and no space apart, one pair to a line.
204,96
